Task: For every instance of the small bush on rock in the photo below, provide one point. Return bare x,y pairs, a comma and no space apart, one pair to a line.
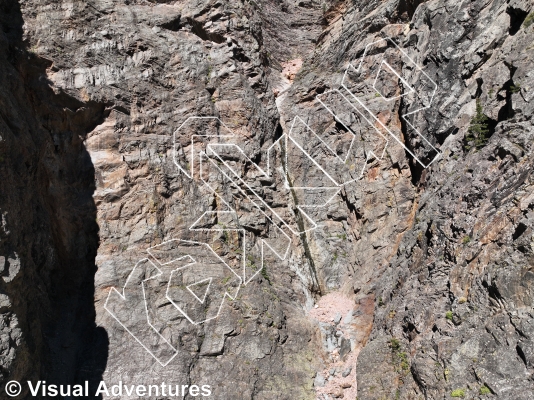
478,129
484,390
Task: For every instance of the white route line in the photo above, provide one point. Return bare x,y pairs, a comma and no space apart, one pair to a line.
198,283
318,97
190,174
339,184
412,90
124,299
286,172
226,294
211,151
405,116
241,230
258,197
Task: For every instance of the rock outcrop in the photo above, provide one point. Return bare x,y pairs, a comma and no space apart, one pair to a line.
408,275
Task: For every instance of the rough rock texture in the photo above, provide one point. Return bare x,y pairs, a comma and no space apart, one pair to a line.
422,274
458,293
454,302
48,233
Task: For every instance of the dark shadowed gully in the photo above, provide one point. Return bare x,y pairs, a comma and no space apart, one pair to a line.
413,279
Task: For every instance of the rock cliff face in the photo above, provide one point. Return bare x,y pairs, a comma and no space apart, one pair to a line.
376,196
49,236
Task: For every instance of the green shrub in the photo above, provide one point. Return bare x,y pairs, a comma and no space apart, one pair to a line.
458,393
478,129
403,357
515,89
466,239
529,20
399,358
265,275
484,390
446,373
448,315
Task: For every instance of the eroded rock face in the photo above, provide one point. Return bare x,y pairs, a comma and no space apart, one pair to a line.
423,272
457,293
48,232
